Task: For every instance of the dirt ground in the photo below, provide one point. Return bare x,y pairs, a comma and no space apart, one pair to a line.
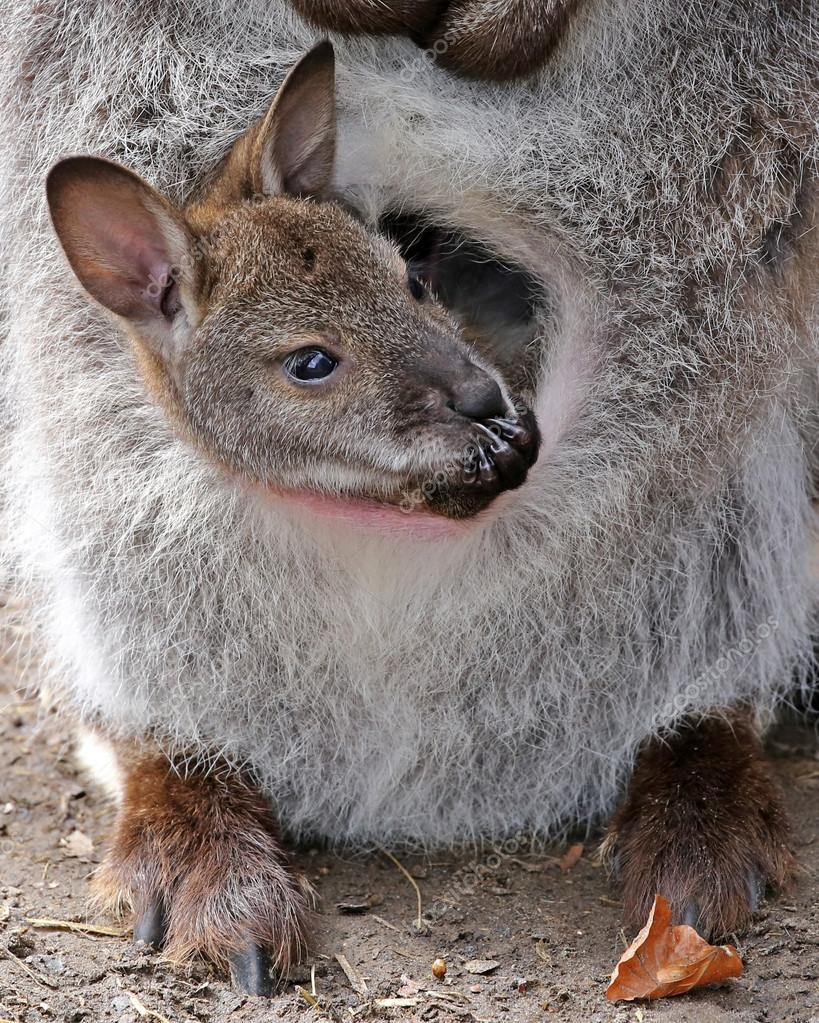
553,934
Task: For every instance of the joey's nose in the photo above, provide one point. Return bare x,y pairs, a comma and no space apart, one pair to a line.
477,396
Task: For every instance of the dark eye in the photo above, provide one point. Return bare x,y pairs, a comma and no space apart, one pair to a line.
310,364
416,284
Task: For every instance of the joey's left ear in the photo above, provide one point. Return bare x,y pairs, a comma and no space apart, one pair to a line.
291,151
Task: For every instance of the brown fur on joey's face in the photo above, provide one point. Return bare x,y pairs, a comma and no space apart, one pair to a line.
392,395
285,339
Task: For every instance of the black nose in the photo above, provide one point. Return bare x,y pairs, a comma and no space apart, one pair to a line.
477,396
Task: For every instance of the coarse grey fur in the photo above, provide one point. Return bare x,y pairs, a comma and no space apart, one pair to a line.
657,178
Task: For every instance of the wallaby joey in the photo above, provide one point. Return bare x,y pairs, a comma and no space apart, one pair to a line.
431,460
287,341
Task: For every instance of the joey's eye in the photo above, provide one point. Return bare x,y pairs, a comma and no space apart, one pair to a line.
416,284
309,365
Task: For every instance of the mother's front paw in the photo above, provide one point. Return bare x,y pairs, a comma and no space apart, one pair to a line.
197,859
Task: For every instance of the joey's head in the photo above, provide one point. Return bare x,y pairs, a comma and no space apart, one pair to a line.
285,339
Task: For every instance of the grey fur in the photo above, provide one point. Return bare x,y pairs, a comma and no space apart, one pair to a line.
657,177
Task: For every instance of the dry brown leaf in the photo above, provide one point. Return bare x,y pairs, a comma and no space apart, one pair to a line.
481,965
570,858
359,904
79,845
665,960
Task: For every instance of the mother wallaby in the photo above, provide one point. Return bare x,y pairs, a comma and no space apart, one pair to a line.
293,551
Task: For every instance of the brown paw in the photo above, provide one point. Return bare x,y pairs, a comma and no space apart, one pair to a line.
483,39
196,857
703,825
388,17
478,38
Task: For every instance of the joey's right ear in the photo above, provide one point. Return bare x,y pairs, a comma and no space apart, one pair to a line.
130,249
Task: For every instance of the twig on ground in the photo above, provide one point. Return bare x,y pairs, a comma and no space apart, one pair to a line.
311,1000
144,1011
357,982
452,995
419,922
386,923
27,969
400,952
73,925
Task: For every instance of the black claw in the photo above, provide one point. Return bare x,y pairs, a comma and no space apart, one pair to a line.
756,890
151,924
485,464
493,437
520,431
509,429
691,915
250,970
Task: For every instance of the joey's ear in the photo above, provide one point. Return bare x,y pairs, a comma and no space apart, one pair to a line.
292,150
130,249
